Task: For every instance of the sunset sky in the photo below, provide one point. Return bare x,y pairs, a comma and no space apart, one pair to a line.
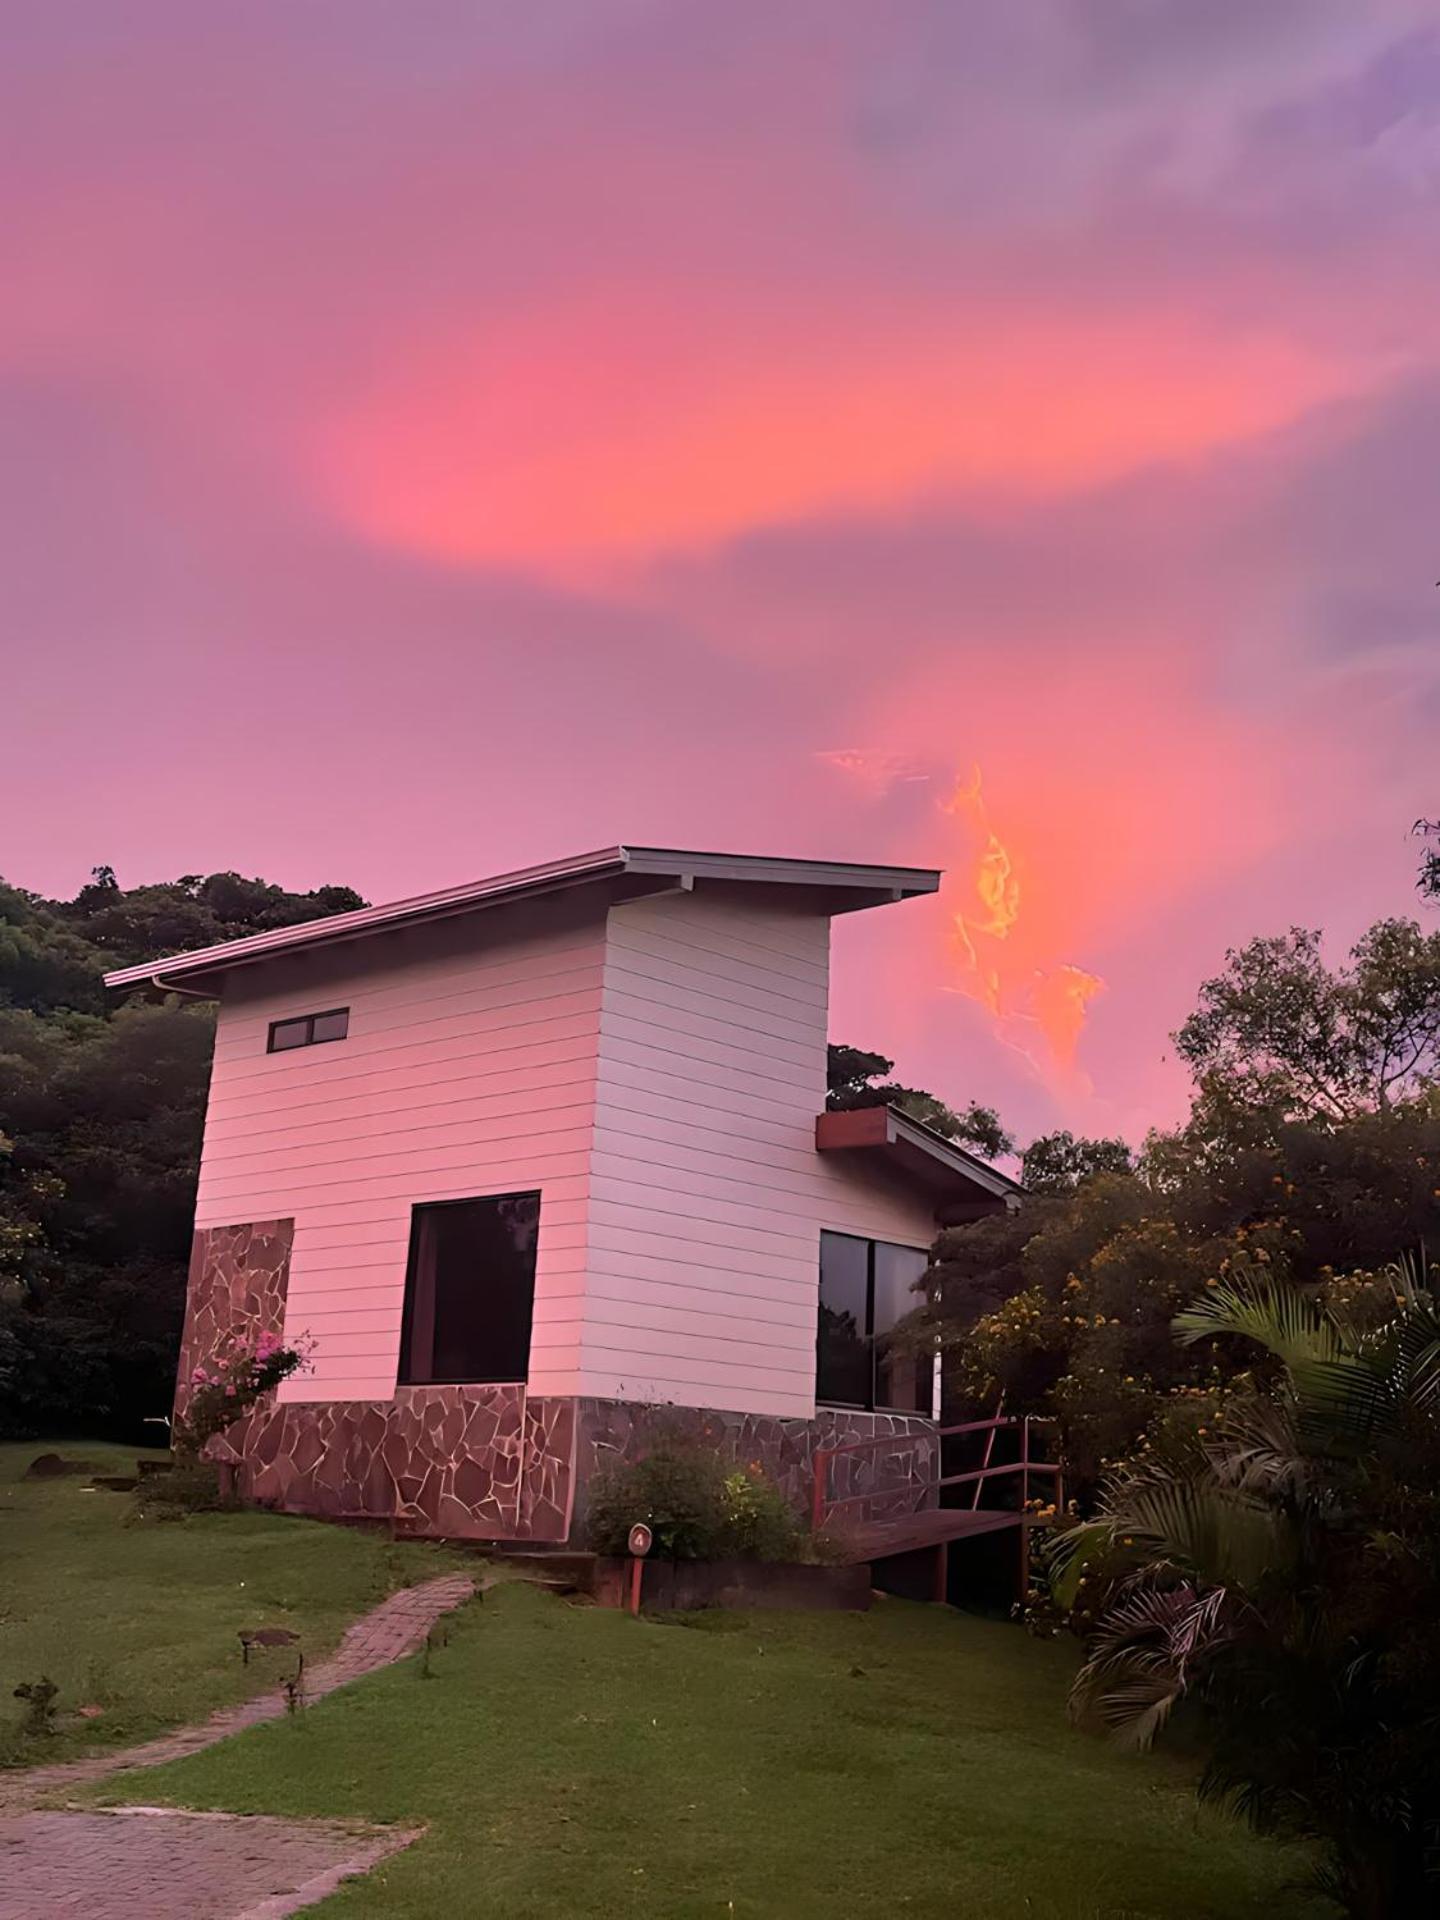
1005,436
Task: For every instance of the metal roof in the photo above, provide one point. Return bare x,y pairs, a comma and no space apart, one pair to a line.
848,886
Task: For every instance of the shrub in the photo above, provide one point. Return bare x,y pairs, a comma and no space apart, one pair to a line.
192,1486
696,1506
759,1521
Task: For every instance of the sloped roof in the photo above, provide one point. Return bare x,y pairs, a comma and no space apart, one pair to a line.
839,886
897,1139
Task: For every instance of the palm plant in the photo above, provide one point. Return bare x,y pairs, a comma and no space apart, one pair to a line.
1285,1578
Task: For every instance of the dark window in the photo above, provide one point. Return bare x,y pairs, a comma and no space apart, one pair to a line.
866,1288
470,1289
308,1030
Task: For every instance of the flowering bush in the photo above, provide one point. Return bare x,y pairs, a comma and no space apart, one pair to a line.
242,1370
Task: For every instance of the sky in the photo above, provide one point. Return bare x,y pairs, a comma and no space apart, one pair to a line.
441,437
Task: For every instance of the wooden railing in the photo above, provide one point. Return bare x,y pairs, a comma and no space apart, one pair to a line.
823,1503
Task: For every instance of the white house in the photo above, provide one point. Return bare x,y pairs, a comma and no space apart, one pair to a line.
541,1161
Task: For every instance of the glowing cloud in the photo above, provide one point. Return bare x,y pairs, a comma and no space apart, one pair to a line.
1036,999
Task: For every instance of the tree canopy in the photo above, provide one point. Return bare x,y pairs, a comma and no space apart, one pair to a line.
101,1112
1280,1033
1059,1162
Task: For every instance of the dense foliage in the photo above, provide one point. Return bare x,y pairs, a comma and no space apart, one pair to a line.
1283,1573
1313,1145
101,1111
1059,1162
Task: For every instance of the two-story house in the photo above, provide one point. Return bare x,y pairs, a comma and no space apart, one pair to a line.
540,1162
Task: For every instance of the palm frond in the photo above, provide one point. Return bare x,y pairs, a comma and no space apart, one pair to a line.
1256,1306
1223,1534
1141,1659
1257,1451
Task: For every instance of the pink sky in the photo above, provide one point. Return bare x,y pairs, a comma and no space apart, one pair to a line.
448,436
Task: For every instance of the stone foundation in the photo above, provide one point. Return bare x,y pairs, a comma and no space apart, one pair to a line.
494,1463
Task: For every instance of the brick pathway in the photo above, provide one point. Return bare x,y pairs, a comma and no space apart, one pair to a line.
152,1864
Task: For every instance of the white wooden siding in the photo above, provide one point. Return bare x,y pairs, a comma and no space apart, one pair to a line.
706,1194
469,1068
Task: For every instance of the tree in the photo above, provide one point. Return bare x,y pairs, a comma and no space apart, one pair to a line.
1283,1572
854,1079
101,1111
1058,1162
175,916
1281,1034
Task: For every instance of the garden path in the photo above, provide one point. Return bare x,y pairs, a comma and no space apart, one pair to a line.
154,1864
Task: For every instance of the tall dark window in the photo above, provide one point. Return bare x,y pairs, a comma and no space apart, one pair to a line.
470,1290
866,1288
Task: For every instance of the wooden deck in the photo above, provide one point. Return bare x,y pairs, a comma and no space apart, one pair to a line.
862,1539
931,1527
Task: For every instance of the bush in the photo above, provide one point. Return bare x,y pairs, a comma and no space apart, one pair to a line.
759,1521
193,1486
696,1506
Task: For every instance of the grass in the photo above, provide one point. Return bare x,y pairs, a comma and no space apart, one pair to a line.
142,1619
912,1761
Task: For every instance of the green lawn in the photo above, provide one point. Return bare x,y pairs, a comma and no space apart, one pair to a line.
141,1619
569,1761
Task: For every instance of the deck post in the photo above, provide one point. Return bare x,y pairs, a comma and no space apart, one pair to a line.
1022,1565
941,1590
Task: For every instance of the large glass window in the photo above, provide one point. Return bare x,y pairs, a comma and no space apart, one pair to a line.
866,1288
470,1290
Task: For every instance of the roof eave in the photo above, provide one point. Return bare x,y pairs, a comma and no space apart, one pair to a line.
337,928
902,1140
843,886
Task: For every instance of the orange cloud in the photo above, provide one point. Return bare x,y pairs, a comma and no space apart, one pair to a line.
1004,959
580,440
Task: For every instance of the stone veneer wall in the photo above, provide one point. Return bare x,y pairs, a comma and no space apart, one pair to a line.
237,1282
892,1480
494,1463
460,1463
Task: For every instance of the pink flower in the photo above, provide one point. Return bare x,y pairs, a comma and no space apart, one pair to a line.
230,1393
197,1377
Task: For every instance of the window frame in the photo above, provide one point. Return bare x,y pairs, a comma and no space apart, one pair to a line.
307,1020
404,1360
871,1404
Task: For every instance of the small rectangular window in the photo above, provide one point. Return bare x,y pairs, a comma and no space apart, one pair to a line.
308,1030
470,1291
867,1287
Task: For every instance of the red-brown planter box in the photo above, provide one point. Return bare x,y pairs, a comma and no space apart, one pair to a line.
685,1586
